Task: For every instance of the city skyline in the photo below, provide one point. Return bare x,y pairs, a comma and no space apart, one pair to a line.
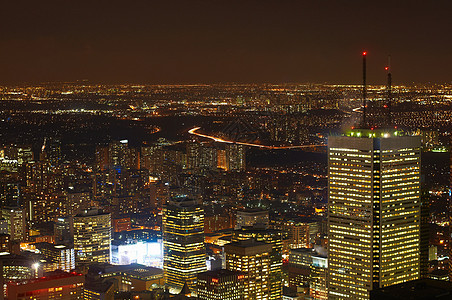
262,150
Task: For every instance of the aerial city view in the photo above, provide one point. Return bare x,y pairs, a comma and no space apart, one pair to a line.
212,150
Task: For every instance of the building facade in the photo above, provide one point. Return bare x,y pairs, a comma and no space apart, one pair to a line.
92,236
373,211
55,285
221,285
184,253
254,260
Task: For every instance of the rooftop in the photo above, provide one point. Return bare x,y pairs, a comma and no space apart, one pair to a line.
374,132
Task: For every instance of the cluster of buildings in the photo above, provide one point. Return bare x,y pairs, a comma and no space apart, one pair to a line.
190,219
373,236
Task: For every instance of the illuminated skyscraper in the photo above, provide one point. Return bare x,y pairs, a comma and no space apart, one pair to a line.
373,211
92,236
183,242
318,278
273,238
254,260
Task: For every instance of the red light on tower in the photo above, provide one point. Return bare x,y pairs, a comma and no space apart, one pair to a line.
364,53
386,68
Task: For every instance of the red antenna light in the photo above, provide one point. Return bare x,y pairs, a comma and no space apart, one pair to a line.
364,53
386,68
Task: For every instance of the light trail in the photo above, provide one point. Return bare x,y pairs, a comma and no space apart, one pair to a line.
220,140
357,109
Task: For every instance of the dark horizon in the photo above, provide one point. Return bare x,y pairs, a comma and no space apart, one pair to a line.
180,42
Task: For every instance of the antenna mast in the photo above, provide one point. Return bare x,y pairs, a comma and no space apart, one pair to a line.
364,90
388,88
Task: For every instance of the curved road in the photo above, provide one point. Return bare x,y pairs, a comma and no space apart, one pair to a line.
220,140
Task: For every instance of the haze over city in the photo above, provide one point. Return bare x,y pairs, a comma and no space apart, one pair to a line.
176,42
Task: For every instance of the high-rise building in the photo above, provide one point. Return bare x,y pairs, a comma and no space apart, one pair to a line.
221,285
274,238
183,242
318,278
299,268
92,236
253,259
17,224
373,211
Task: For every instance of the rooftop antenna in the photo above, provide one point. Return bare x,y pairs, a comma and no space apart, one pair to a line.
364,90
388,89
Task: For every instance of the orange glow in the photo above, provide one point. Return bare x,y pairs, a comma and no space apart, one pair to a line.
220,140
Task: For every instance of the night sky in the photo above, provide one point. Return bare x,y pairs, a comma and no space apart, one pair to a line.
224,41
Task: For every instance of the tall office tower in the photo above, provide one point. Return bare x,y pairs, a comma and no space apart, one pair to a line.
318,278
299,268
275,239
184,253
92,236
373,211
17,223
253,259
221,285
